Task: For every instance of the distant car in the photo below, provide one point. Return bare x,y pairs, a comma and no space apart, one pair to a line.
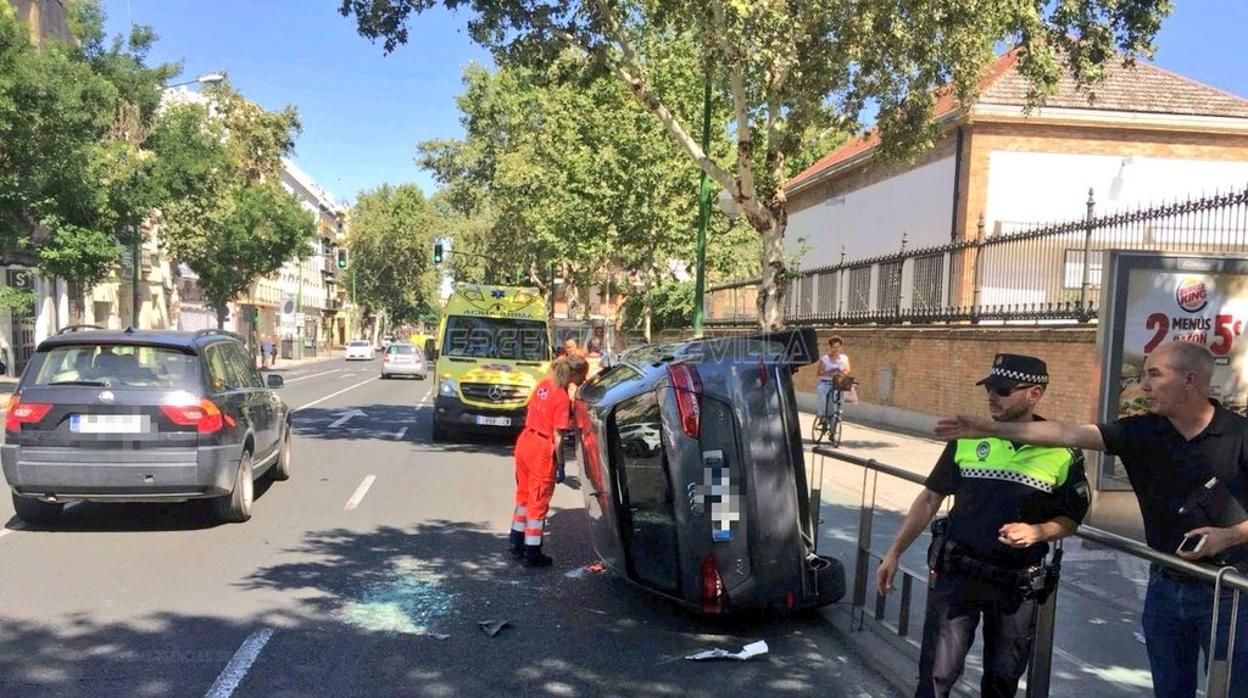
143,416
697,476
403,360
360,350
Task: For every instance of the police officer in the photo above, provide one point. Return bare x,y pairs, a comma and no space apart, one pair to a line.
538,455
988,558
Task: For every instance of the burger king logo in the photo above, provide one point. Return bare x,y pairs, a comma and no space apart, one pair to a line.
1192,295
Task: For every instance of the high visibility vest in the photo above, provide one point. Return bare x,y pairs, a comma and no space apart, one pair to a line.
1044,468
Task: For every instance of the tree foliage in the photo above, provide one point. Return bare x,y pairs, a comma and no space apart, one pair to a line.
561,168
390,251
76,172
227,216
792,71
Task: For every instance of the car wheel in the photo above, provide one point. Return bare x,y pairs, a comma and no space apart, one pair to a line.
281,469
235,507
36,512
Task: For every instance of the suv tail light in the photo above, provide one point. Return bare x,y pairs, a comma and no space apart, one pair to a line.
24,413
688,387
385,358
714,595
205,416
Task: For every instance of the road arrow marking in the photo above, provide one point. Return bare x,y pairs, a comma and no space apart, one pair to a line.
345,417
359,493
399,434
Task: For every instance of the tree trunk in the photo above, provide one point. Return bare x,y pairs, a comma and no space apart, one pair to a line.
221,313
771,289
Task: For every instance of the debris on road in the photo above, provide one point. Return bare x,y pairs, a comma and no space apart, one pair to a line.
409,603
493,627
438,636
592,568
749,651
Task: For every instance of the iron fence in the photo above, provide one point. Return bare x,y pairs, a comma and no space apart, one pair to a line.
1038,272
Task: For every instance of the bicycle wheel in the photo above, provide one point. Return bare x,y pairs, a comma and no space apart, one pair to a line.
819,429
834,432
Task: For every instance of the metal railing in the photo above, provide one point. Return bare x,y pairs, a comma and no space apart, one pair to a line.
1039,668
1011,272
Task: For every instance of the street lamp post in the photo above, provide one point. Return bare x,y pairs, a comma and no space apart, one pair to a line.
704,214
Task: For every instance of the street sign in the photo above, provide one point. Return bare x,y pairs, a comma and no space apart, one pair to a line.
20,279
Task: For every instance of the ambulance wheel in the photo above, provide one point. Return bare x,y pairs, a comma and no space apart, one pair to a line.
440,433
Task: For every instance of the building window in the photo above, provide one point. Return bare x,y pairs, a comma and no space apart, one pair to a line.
928,274
860,289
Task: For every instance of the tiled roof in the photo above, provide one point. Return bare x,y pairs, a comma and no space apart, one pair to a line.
1141,88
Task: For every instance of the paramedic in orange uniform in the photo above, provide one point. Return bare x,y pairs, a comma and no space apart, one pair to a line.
537,449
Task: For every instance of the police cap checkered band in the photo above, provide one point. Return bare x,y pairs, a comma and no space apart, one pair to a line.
1017,369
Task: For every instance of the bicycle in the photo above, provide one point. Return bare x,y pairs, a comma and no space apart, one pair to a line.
828,423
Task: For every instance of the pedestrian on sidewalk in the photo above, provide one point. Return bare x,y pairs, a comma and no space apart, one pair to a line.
988,558
266,351
833,369
1170,454
538,456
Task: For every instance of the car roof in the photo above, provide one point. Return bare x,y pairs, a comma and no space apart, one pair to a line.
163,338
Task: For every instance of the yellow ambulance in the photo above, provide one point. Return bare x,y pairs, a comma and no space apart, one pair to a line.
493,348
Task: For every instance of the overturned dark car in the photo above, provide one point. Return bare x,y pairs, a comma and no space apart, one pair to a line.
695,474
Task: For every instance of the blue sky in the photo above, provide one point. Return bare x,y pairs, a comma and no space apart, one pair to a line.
363,112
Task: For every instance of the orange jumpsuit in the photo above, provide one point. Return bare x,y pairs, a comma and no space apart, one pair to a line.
548,411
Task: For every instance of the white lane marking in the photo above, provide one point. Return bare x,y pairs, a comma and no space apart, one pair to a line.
340,392
398,435
234,672
314,375
426,397
347,375
346,416
14,527
359,493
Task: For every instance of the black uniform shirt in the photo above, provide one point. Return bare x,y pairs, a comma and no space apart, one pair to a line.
1165,469
982,506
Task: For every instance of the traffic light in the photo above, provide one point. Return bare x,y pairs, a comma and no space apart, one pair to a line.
437,253
342,258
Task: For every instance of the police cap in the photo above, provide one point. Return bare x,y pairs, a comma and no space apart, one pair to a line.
1009,370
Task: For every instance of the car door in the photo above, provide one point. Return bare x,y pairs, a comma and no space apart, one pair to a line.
259,400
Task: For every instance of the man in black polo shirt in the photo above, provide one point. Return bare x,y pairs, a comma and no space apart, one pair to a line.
1169,454
1009,501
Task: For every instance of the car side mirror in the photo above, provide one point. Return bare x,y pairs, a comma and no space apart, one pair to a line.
275,381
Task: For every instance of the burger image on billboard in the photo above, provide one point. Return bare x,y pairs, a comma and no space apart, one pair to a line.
1192,295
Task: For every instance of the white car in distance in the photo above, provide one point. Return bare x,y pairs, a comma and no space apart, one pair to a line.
360,350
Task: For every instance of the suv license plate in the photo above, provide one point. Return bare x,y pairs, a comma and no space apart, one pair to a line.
107,423
494,421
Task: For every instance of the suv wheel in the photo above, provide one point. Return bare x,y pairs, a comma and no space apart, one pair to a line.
235,507
281,469
36,512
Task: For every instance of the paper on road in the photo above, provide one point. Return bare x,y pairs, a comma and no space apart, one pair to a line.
749,651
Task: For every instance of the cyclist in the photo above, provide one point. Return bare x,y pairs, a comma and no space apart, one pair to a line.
832,366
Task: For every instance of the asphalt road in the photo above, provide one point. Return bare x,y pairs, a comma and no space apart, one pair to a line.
366,574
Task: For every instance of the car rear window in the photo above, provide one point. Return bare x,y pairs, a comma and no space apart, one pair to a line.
118,366
402,349
357,343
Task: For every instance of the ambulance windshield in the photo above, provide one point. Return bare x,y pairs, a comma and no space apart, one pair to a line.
496,338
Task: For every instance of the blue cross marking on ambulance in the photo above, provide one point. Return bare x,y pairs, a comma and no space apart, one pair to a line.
498,293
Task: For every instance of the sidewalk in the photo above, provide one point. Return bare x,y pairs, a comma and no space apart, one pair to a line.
1098,644
291,364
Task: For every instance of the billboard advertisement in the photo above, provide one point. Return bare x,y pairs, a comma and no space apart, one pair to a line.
1149,299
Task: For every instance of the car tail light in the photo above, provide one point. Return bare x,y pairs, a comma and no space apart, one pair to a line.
205,416
385,358
790,599
688,387
714,595
24,413
762,372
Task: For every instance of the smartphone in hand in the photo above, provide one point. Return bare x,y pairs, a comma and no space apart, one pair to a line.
1192,544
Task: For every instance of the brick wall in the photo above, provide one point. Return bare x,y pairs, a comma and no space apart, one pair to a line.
932,370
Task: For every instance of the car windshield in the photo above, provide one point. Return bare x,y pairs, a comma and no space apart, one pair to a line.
118,366
496,338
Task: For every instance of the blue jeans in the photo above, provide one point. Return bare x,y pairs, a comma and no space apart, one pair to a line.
825,398
1177,619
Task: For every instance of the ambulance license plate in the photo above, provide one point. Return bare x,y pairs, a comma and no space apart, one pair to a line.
493,421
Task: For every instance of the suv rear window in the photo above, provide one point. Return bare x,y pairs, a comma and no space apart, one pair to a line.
118,366
401,349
